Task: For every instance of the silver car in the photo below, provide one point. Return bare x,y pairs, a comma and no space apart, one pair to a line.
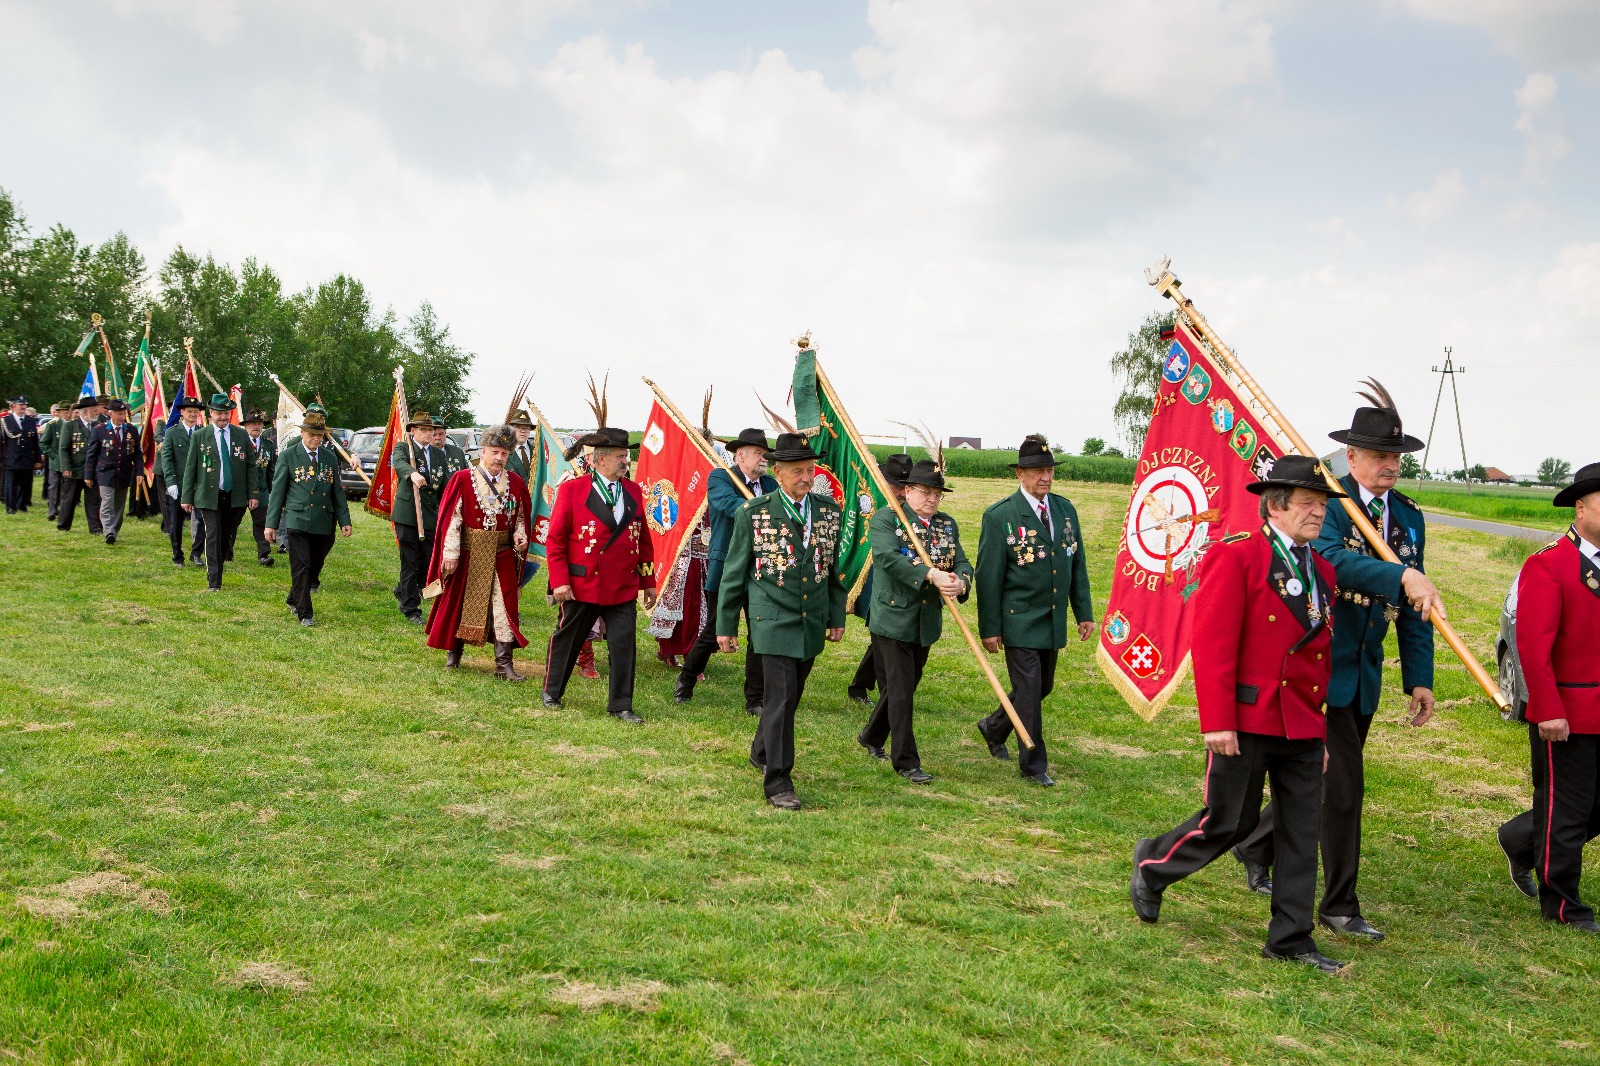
1512,685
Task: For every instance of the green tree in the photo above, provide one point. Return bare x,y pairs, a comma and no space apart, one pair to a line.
436,369
1094,446
1554,471
1410,466
1139,367
349,352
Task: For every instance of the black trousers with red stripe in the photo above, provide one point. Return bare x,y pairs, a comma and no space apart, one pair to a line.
1549,838
1232,799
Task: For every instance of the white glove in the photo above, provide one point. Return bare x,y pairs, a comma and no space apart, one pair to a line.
172,490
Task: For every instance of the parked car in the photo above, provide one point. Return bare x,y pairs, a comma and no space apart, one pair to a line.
341,435
467,440
1512,685
363,447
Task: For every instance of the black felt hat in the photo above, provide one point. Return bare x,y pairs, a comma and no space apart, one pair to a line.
606,437
926,473
748,438
115,404
23,400
895,468
1296,472
1035,451
85,402
1377,428
192,402
1587,481
793,448
256,415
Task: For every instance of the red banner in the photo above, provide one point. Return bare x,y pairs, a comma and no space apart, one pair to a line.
380,498
672,473
1204,446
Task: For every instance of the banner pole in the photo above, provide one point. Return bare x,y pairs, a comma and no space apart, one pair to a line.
1167,284
694,435
331,439
411,452
949,601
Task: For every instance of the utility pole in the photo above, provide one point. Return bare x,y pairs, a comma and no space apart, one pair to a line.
1448,373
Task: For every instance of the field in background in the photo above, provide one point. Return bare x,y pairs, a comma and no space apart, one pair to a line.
1497,503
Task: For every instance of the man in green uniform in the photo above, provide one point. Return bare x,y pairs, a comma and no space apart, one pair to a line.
304,505
420,471
49,439
72,448
1031,567
455,458
783,569
894,469
265,451
908,609
521,460
219,481
172,458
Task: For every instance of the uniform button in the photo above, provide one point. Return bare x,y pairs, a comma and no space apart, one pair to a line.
1319,655
1316,688
1285,684
1272,618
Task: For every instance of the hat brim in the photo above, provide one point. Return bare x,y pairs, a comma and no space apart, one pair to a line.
793,455
926,485
1033,461
1576,491
1408,443
1258,487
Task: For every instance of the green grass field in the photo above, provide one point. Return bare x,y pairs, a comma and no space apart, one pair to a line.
225,839
1498,503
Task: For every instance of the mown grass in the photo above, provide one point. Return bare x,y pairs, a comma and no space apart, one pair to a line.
1513,504
996,463
319,846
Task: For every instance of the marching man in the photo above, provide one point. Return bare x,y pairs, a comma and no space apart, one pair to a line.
1262,658
304,504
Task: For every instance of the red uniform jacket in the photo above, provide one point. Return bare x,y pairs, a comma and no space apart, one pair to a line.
1558,620
605,561
1260,664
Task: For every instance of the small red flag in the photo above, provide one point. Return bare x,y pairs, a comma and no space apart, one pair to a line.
380,498
672,473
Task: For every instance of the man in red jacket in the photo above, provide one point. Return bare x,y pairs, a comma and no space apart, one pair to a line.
1558,617
600,562
1262,660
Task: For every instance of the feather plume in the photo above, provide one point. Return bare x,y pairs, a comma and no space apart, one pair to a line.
1379,396
777,421
519,394
705,412
929,440
597,399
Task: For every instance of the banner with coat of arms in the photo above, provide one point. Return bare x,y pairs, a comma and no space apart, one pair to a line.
1203,447
544,474
671,473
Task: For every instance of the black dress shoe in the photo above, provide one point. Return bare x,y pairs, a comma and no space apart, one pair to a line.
178,561
1042,780
682,690
872,749
1521,876
195,558
415,618
628,716
549,701
1310,958
316,586
1351,925
111,538
1257,878
785,801
758,765
267,560
860,696
916,775
753,710
1146,900
997,749
1584,925
306,621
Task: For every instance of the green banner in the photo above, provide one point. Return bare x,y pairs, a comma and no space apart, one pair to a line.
842,472
139,389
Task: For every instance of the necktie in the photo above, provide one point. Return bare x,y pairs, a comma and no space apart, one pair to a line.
1375,509
1044,519
226,481
1303,554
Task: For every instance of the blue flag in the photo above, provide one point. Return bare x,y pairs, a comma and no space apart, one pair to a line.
88,384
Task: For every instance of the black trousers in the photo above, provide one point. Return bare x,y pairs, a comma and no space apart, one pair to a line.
572,629
1033,675
179,520
705,645
1232,807
866,678
1343,787
900,664
19,489
1549,838
258,527
222,525
307,553
52,490
72,490
783,682
414,554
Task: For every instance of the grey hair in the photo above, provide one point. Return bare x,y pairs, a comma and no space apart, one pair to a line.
1276,497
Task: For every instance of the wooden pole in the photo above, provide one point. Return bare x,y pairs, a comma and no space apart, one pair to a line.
699,442
1169,286
825,385
411,452
362,474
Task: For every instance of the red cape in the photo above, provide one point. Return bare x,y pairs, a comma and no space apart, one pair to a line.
445,617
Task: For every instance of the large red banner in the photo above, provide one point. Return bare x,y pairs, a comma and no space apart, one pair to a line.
672,474
1204,446
380,498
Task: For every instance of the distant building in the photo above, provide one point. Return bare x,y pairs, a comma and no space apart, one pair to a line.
970,444
1495,476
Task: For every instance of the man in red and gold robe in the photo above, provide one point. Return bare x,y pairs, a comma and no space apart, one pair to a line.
478,549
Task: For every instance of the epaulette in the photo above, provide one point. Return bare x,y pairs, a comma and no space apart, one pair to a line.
1234,538
1407,500
1547,547
753,502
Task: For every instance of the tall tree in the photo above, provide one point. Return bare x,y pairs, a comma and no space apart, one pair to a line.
1139,366
1554,471
349,354
436,369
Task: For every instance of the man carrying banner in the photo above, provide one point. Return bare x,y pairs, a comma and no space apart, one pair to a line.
908,610
480,537
71,450
219,481
894,469
420,472
601,566
783,568
303,506
173,459
1558,615
113,461
265,452
1262,658
1031,568
1371,594
723,503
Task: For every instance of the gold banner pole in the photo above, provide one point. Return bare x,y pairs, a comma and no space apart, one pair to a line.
694,435
1167,284
331,439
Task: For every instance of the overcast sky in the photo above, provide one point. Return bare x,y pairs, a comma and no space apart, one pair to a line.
958,197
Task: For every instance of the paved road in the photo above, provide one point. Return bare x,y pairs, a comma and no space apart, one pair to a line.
1500,528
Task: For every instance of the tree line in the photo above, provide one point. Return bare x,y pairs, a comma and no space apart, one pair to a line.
326,340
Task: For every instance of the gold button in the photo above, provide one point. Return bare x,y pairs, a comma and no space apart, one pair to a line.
1286,684
1319,655
1272,618
1314,688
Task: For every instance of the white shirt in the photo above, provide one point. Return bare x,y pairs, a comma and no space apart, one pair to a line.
1366,503
1589,550
1035,503
1311,578
615,489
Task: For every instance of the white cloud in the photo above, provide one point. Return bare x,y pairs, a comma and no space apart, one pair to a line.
1540,125
1575,279
1338,231
1434,204
1548,34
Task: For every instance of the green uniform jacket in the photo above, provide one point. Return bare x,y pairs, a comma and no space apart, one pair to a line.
266,453
72,447
1026,579
307,494
456,457
49,440
520,464
795,593
202,469
173,455
434,462
904,606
